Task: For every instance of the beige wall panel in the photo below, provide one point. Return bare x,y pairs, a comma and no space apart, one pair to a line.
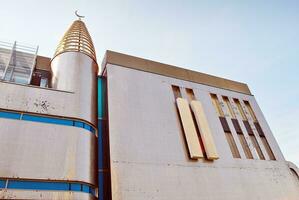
205,131
44,195
46,151
189,129
46,101
149,158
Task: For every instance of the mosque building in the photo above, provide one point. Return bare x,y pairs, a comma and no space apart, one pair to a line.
128,128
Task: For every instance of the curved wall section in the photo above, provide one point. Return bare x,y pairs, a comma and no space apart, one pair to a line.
23,98
38,151
76,72
293,167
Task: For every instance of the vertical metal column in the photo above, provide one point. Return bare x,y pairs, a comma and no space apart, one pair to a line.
33,65
9,60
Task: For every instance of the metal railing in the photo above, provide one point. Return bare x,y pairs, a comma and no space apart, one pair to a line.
17,62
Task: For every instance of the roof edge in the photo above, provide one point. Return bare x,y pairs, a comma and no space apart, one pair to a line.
150,66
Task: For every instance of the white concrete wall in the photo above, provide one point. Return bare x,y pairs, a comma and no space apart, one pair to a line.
149,158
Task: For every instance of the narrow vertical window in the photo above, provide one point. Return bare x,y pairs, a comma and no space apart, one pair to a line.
229,106
190,94
264,141
229,137
240,109
242,139
254,140
176,91
250,110
260,131
216,104
237,127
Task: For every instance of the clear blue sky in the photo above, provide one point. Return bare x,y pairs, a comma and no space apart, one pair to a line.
256,42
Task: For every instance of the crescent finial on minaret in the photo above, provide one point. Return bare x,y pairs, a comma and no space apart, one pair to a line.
79,16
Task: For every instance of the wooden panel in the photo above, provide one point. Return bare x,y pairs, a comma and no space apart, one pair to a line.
204,130
189,128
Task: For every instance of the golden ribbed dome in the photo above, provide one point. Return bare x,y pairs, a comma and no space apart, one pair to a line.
77,39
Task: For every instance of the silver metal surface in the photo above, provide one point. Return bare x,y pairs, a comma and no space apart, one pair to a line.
76,72
32,150
44,195
148,150
48,101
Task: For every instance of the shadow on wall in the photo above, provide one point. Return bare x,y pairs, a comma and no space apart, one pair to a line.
294,169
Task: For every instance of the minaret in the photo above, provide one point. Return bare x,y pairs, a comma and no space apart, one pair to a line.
74,69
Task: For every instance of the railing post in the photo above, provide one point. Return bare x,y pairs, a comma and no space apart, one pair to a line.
33,65
9,60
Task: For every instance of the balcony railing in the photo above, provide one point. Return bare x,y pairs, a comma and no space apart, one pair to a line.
17,62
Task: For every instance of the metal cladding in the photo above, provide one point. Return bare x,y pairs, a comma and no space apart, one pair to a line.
77,39
74,69
164,133
48,136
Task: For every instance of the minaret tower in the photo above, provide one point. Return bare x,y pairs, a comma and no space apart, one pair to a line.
74,69
48,137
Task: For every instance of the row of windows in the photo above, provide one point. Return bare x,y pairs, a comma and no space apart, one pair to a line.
234,107
46,119
247,114
39,185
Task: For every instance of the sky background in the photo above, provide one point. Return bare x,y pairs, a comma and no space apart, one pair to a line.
256,42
